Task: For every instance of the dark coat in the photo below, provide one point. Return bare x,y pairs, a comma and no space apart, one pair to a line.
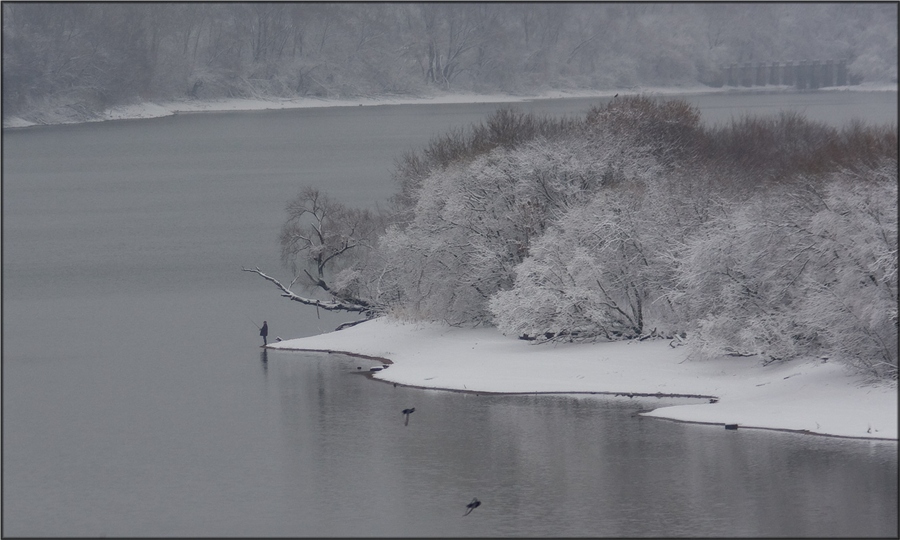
264,331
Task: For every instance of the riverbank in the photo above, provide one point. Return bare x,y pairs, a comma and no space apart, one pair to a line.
816,396
161,109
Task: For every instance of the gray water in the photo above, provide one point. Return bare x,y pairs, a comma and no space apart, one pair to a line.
137,402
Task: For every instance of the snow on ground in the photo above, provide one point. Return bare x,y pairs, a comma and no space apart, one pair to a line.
167,108
817,396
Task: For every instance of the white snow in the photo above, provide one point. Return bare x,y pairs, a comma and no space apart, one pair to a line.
818,396
167,108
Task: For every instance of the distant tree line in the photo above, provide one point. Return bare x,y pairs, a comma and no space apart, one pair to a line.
88,56
773,236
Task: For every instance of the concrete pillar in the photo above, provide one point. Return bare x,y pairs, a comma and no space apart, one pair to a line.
789,75
775,74
841,75
802,75
747,74
761,74
732,75
815,74
828,74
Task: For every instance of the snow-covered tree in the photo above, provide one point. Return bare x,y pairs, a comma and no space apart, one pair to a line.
737,275
602,270
804,269
325,244
851,296
582,278
475,221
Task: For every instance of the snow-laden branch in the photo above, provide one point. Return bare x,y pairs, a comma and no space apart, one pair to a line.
330,305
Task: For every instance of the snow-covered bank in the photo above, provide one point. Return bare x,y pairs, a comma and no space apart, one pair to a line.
816,396
168,108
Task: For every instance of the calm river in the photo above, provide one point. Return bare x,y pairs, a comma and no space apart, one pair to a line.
137,402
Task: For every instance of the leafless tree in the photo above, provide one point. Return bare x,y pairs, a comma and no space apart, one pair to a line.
323,243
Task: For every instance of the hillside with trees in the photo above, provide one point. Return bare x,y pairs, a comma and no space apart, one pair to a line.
76,59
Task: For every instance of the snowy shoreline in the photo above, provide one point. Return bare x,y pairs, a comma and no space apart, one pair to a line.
816,397
168,108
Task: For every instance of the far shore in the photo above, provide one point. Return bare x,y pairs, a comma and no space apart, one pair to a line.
159,109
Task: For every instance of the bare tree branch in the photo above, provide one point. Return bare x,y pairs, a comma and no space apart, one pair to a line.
330,305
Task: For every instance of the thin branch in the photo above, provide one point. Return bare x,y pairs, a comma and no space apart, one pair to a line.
330,305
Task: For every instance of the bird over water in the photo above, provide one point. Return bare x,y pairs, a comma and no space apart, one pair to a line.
472,506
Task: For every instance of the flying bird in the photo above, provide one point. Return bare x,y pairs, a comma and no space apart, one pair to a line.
408,412
472,506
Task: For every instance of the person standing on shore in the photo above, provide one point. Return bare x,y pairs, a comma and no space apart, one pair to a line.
264,331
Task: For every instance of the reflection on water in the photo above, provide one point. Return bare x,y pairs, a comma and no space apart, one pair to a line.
137,402
559,465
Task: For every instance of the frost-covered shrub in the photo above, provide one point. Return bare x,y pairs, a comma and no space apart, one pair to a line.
474,222
735,276
476,217
505,128
670,130
582,280
851,296
638,219
601,271
754,152
800,271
